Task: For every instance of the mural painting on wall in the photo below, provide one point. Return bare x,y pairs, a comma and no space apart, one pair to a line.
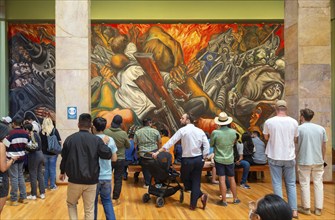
32,70
159,71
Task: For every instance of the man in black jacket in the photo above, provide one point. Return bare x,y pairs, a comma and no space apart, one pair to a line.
80,162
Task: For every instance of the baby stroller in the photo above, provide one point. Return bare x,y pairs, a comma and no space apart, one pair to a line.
165,178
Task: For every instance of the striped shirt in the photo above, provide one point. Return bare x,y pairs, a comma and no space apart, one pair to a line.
17,139
146,139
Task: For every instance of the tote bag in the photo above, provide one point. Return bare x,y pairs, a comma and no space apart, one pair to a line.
53,143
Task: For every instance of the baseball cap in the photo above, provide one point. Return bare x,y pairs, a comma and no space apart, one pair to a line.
117,121
7,119
281,103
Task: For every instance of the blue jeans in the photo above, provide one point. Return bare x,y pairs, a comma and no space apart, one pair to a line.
278,169
50,170
246,167
15,172
35,164
104,188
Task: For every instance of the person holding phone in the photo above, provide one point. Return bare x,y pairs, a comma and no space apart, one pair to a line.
311,155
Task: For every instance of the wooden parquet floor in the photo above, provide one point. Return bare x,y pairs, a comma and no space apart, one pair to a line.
132,207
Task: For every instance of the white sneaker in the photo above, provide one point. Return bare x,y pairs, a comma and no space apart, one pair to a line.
228,195
54,188
42,196
30,197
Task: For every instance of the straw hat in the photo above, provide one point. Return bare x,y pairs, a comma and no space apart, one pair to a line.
223,119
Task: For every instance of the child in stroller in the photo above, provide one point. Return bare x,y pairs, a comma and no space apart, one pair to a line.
165,178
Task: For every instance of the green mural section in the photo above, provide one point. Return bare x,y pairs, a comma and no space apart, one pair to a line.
3,69
196,10
155,10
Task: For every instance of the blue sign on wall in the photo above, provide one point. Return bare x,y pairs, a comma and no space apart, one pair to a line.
71,112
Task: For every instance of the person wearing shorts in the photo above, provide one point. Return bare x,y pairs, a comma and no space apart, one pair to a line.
223,140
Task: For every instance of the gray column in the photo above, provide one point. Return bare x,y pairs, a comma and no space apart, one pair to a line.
3,62
308,58
72,62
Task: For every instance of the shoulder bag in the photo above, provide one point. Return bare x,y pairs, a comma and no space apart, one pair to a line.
53,143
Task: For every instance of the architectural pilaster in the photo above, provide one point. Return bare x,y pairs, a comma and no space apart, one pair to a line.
308,63
3,61
72,62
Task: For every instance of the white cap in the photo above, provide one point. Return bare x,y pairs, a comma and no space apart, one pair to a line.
7,119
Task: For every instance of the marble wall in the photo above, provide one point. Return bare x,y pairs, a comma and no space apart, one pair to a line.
308,58
73,62
307,52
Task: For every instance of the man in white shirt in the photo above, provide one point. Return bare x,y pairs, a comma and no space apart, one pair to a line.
195,147
281,131
311,151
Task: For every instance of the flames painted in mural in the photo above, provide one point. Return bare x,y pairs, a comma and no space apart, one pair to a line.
159,71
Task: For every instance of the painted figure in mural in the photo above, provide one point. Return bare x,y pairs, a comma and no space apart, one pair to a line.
168,56
129,95
124,66
259,84
32,67
206,69
243,69
217,78
113,80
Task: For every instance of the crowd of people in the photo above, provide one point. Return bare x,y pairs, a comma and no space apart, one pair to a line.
91,156
24,149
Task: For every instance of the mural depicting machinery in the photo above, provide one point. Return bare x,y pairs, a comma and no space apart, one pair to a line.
159,71
32,70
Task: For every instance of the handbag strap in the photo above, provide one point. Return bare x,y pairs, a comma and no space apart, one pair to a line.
52,132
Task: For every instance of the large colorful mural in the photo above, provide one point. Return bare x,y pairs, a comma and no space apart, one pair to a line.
31,70
158,71
162,70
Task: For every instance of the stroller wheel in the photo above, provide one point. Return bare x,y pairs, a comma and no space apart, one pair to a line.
181,197
160,202
145,197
